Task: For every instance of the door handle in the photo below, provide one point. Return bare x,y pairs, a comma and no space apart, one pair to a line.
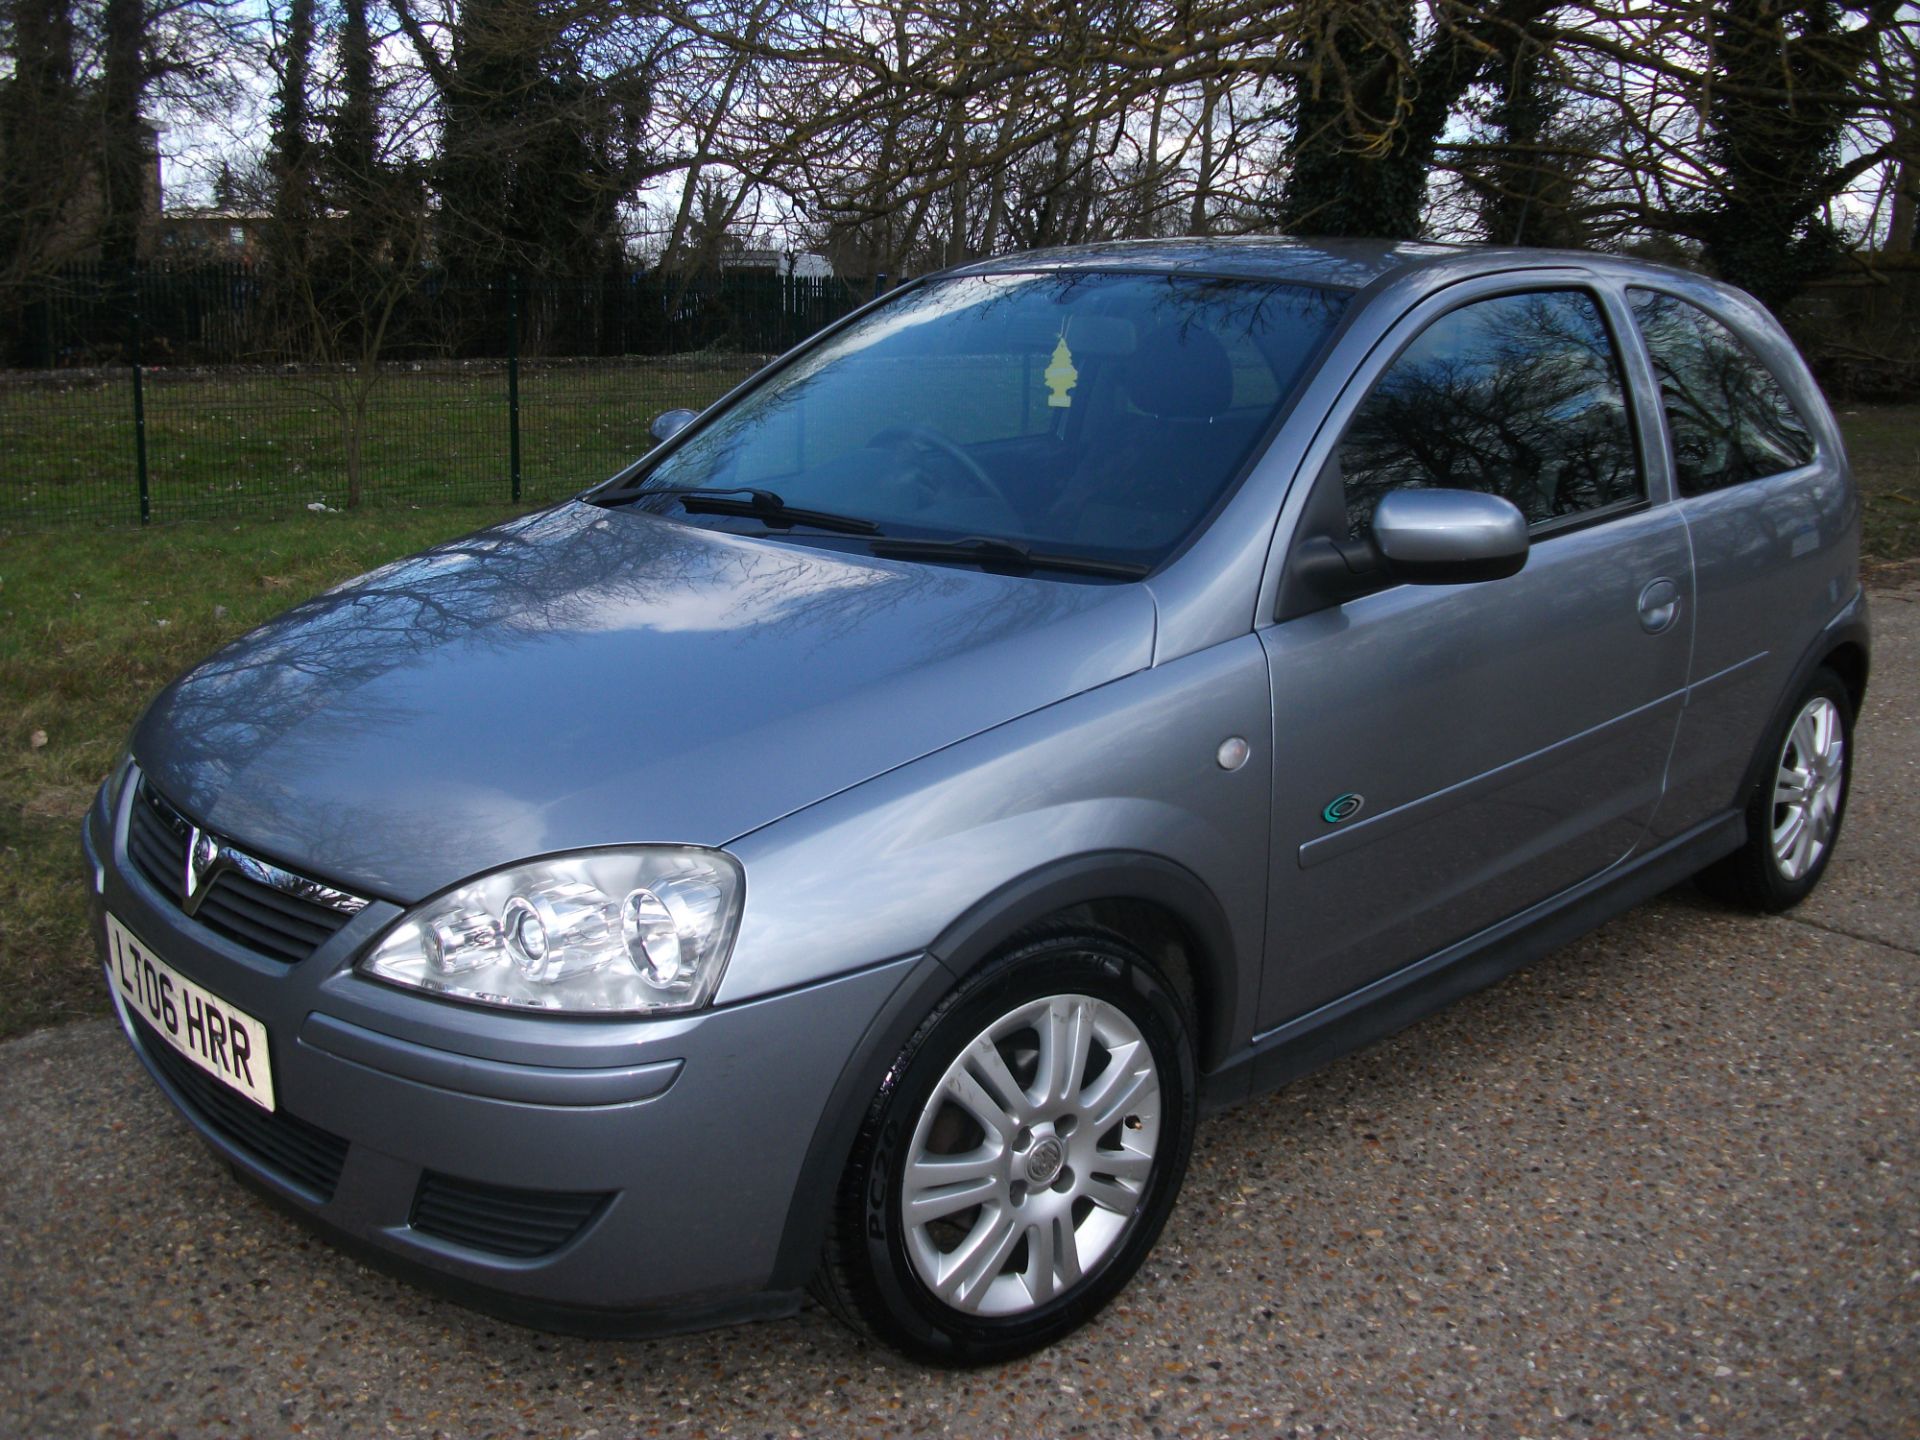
1659,605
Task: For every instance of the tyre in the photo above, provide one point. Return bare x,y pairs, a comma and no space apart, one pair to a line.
1020,1161
1794,813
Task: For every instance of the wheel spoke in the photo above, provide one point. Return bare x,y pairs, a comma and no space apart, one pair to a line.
1787,836
1794,786
1119,1089
973,1097
1833,763
1804,847
1122,1164
937,1186
1066,1250
1822,821
974,1266
1110,1195
990,1067
1053,1259
1064,1042
1039,1276
1806,735
1826,730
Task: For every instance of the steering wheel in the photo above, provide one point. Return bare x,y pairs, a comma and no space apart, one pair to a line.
928,438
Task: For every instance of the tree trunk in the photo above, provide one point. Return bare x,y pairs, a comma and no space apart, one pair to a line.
703,152
1198,221
1371,110
1902,232
958,180
289,237
1776,145
355,129
1345,175
123,133
997,192
38,170
1145,220
353,415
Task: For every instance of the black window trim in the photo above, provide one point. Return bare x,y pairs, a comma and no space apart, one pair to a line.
1561,525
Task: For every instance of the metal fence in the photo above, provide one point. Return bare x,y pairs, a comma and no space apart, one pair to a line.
170,395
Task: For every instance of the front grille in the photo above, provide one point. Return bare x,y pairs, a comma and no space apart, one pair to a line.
303,1154
269,920
498,1218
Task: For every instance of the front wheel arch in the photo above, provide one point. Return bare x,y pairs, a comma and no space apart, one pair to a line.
1100,888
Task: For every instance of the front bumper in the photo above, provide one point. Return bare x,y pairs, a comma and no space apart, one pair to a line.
660,1163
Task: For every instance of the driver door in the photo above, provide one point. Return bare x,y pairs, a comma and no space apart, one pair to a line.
1447,756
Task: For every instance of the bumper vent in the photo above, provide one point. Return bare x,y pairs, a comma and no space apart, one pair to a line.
302,1154
260,906
500,1219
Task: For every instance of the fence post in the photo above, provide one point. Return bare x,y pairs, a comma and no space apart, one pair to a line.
513,381
139,404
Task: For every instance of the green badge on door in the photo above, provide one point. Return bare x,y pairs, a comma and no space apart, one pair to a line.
1343,807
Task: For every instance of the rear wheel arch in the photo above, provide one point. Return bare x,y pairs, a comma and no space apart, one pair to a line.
1849,662
1793,813
1845,649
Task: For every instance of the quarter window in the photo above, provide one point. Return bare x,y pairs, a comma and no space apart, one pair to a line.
1727,416
1519,396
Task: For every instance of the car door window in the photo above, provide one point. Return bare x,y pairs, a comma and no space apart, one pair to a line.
1519,396
1728,418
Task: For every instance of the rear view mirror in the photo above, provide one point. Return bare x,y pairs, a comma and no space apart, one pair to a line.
670,423
1448,537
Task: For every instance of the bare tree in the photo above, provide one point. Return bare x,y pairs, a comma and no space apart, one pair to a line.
542,130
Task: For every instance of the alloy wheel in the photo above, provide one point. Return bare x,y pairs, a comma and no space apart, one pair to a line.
1807,787
1031,1156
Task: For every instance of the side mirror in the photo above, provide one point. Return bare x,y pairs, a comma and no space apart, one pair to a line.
1448,537
670,423
1419,537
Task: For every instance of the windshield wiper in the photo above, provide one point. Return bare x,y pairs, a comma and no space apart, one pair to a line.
1008,554
762,505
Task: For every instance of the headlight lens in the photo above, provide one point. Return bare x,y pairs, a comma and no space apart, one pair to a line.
606,932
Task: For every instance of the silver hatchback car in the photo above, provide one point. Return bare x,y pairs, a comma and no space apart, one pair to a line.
851,847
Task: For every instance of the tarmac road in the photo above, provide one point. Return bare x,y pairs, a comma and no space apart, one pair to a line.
1662,1183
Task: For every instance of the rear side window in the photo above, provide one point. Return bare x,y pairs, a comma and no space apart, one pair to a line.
1519,396
1728,418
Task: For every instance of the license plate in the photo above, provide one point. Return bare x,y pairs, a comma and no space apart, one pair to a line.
220,1038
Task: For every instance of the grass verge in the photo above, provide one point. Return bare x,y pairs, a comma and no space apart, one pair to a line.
265,441
1883,442
92,623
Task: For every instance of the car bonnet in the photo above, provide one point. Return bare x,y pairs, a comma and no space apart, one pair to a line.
585,677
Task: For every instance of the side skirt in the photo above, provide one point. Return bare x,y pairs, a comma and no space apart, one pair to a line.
1395,1001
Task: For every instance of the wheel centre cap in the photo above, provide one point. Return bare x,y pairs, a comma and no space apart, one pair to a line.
1043,1164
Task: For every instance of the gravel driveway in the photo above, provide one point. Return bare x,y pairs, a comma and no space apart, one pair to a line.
1664,1182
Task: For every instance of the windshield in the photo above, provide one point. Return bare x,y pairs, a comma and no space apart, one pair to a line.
1079,414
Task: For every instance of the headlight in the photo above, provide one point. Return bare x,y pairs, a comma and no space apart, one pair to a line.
608,932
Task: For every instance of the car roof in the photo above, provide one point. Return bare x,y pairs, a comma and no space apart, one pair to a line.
1340,264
